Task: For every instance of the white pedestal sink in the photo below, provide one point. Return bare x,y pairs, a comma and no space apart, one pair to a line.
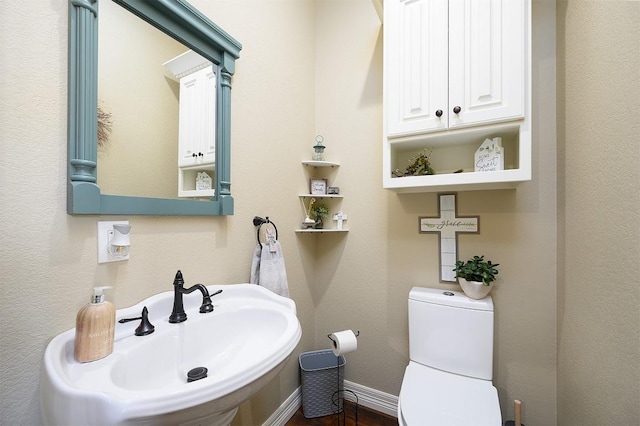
243,343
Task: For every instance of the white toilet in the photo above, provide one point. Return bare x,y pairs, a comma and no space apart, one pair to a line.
448,379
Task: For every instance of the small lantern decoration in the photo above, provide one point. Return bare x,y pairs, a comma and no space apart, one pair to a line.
318,155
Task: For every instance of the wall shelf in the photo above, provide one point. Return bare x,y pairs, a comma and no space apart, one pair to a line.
314,163
319,231
333,201
320,196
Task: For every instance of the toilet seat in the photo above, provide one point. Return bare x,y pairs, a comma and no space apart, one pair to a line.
433,397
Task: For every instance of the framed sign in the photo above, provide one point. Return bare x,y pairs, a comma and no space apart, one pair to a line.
318,187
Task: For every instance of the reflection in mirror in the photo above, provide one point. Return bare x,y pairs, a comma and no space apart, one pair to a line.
140,156
198,80
86,194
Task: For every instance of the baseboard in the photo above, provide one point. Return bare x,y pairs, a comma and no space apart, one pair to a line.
372,398
368,397
286,410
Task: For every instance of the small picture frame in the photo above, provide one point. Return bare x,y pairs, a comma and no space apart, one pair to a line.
333,190
318,187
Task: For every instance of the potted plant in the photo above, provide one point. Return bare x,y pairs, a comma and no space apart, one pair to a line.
418,166
319,211
476,276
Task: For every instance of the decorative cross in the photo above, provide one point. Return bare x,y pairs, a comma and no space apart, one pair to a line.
340,217
448,225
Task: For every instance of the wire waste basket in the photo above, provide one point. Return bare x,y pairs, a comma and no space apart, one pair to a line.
322,376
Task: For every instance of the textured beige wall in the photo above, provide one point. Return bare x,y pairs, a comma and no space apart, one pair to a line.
363,279
48,258
599,148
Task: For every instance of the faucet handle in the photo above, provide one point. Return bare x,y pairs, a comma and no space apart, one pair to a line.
207,306
145,326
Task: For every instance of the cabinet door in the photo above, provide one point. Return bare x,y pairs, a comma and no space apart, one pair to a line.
208,121
187,149
197,118
486,61
416,65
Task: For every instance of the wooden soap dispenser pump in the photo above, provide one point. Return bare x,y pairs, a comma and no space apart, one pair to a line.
95,325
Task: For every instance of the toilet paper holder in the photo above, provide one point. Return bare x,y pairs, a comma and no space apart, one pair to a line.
338,339
357,333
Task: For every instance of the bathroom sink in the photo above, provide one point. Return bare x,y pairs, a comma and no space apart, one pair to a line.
243,343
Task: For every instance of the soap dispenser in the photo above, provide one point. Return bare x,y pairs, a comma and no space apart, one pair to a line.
95,325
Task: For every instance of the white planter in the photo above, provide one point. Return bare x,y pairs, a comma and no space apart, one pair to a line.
475,289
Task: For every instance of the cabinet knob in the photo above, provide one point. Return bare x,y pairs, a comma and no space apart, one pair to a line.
200,154
194,155
439,113
456,109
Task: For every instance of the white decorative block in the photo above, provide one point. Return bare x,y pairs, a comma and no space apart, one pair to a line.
447,273
448,245
203,181
448,203
490,156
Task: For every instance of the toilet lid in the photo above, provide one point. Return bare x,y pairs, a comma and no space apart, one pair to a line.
433,397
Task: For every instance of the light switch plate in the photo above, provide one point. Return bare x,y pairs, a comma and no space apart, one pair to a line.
105,233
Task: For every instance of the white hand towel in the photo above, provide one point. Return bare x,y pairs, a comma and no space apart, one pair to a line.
255,266
271,272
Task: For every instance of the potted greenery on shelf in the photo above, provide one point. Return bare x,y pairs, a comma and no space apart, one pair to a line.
319,211
476,276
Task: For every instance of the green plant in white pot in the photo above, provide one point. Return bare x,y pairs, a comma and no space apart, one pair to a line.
476,276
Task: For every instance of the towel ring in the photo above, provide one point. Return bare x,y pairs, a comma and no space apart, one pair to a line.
258,221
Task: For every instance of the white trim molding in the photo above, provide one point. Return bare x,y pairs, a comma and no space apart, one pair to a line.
372,398
367,397
288,408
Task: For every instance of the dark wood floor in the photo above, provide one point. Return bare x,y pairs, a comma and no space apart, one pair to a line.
366,417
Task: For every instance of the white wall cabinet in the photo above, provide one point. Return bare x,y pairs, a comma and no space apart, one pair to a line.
197,123
456,71
416,65
197,137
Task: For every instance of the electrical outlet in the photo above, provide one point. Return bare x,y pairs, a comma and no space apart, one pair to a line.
105,234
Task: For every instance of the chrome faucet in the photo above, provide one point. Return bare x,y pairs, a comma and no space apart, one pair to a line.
178,314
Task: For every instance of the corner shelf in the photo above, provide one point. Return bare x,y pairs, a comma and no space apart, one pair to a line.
320,196
315,163
304,196
319,231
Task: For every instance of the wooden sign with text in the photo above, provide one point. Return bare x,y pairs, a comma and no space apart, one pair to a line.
448,225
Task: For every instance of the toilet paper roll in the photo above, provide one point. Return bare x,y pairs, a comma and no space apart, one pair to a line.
343,342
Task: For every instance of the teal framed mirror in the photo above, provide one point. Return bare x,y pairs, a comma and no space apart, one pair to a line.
182,22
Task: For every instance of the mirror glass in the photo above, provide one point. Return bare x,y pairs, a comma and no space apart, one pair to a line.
134,169
138,101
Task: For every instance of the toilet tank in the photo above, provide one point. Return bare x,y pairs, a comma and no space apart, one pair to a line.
451,332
